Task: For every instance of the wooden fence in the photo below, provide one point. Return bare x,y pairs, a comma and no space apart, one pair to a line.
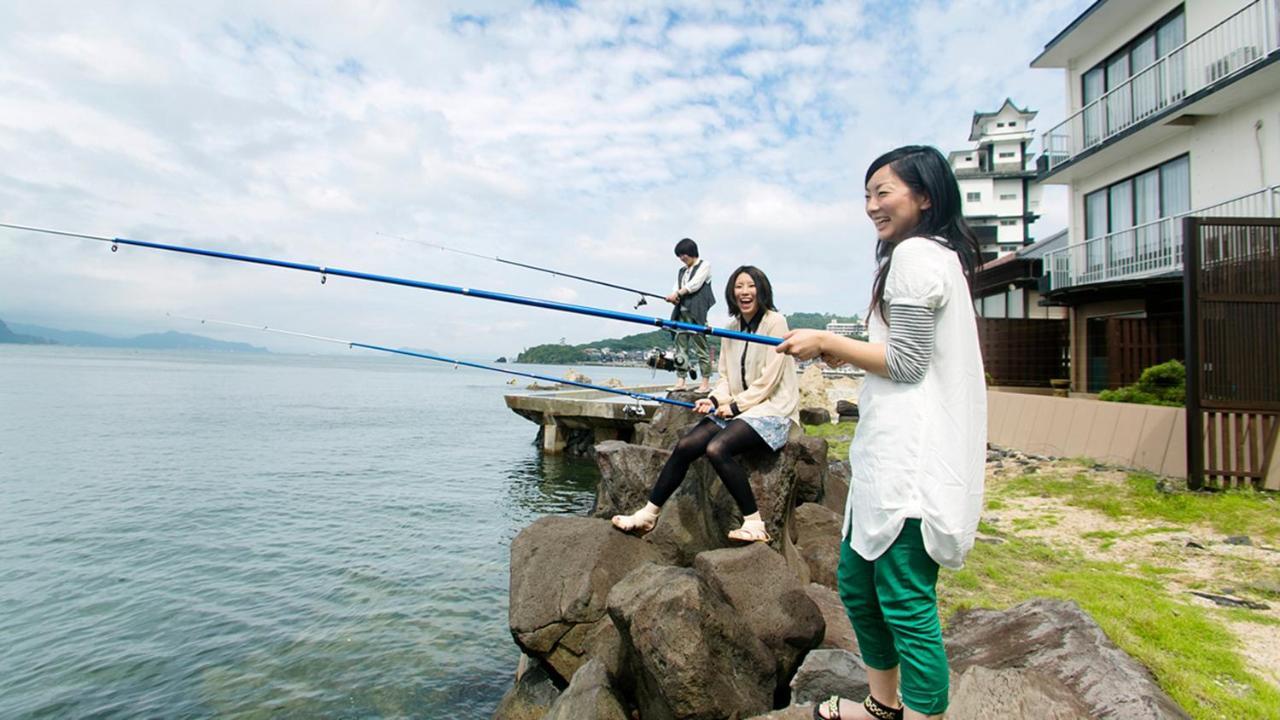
1232,296
1024,353
1135,344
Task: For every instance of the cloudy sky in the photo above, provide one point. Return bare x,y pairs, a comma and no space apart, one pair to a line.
588,137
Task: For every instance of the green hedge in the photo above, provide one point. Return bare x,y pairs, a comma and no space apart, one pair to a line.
1163,384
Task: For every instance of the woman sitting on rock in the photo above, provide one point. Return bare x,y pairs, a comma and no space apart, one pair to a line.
918,458
753,407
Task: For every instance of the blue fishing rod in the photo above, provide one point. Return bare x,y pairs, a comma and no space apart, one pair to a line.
324,272
440,358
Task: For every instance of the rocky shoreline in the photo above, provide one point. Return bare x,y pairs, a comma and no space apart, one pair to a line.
683,623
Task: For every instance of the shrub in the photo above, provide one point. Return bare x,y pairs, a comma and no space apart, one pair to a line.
1163,384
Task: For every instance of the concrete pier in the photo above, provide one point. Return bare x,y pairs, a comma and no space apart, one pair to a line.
606,416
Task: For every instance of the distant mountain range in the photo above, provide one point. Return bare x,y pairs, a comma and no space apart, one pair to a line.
24,334
11,337
560,354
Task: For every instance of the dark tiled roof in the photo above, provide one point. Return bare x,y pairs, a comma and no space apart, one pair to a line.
1040,248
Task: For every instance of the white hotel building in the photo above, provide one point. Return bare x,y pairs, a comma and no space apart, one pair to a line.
997,189
1173,109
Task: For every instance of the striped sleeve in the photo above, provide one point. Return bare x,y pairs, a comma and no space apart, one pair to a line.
910,345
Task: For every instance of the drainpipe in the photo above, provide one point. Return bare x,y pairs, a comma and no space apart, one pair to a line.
1262,165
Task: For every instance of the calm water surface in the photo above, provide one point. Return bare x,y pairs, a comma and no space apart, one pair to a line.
199,534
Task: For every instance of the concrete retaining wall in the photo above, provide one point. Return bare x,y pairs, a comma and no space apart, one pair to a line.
1146,437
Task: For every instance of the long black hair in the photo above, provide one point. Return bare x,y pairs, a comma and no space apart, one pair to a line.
929,175
764,292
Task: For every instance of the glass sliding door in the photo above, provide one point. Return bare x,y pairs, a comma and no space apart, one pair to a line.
1120,235
1175,199
1095,85
1145,86
1119,106
1146,211
1170,36
1095,230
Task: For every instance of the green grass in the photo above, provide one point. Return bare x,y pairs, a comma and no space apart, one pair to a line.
1192,654
1230,512
1109,537
1035,523
1188,646
838,436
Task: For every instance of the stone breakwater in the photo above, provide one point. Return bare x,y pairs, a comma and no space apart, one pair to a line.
683,623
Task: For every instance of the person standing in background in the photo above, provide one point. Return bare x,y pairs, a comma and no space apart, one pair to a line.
693,299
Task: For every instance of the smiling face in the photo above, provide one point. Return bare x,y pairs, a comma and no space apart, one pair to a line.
893,206
744,293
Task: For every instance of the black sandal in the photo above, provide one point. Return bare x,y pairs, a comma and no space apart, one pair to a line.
874,708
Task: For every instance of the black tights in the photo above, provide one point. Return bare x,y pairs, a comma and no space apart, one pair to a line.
719,445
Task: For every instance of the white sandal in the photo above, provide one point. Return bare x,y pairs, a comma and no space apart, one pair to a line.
751,531
639,522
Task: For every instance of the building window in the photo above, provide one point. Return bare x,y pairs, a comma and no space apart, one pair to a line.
999,124
1007,223
1012,123
993,306
1136,202
1008,196
968,158
973,196
1016,303
1147,93
1008,154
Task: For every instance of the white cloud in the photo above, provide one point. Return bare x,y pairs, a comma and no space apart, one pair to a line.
586,139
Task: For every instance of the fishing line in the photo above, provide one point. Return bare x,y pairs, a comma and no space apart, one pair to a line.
643,294
324,272
440,358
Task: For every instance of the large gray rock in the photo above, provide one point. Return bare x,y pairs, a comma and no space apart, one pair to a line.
815,416
833,672
699,516
627,475
791,712
668,423
847,410
981,693
835,492
839,632
1059,642
588,697
530,698
810,467
562,569
686,653
763,591
818,540
686,526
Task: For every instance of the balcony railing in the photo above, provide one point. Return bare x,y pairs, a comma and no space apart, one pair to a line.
1227,49
1145,250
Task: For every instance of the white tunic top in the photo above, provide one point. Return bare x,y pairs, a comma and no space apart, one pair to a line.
920,448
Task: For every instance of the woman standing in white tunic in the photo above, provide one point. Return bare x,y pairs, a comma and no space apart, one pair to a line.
918,457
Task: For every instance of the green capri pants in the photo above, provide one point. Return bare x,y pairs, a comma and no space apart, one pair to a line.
892,603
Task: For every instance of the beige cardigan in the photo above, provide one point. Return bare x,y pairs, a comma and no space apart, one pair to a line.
773,388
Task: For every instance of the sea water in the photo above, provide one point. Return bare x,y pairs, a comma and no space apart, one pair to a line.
233,535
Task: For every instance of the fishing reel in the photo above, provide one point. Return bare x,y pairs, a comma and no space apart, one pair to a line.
660,359
634,410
